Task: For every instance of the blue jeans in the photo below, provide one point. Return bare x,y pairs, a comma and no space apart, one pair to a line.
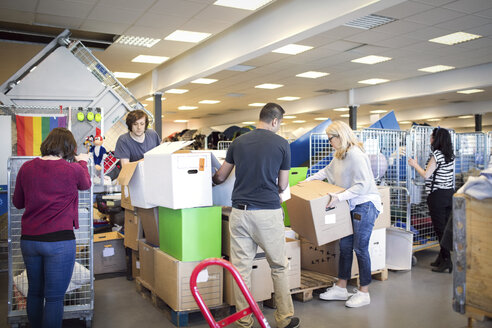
363,217
49,268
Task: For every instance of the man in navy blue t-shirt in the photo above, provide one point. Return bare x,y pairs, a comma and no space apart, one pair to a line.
262,161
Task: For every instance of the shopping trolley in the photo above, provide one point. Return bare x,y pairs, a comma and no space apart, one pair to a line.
253,307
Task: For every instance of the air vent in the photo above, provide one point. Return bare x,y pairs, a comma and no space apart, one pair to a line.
370,22
327,90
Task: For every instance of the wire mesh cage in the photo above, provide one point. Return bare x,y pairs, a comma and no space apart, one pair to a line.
224,144
489,149
471,155
79,299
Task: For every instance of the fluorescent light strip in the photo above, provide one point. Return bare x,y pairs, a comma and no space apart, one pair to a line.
378,111
320,118
289,116
288,98
242,4
345,115
455,38
341,109
433,119
269,86
299,121
149,59
180,121
312,74
204,81
137,41
187,107
209,102
436,68
248,123
470,91
405,122
176,91
371,60
466,116
292,49
187,36
257,104
126,75
373,81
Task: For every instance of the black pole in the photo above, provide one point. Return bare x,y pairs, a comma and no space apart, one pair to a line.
158,113
478,122
353,117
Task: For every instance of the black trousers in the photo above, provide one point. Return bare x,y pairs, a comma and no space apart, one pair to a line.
440,204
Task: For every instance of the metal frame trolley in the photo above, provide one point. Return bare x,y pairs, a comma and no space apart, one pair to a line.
79,302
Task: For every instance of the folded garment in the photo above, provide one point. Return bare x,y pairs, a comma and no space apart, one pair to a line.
479,187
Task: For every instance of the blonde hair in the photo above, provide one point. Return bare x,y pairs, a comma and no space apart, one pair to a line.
346,136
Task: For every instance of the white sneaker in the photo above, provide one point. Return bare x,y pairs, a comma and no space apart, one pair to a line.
335,293
358,299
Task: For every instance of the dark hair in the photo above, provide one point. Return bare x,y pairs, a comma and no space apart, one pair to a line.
442,141
59,142
271,111
134,116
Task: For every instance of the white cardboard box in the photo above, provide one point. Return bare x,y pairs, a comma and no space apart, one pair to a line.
399,246
177,179
132,181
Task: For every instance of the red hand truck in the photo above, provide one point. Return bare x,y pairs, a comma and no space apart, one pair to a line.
253,307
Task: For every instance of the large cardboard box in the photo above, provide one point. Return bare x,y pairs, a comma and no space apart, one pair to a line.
293,250
146,256
324,259
131,179
261,282
222,193
226,241
172,282
177,179
133,230
150,224
309,216
109,253
190,234
384,219
296,174
399,249
135,264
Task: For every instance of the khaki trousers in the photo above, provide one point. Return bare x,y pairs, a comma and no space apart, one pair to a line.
264,228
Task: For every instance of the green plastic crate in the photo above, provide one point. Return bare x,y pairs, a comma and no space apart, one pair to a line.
191,234
296,175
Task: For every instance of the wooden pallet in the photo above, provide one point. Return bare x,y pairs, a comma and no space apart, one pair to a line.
178,318
476,315
310,282
380,275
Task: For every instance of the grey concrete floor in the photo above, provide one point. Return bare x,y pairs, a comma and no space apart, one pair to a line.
417,298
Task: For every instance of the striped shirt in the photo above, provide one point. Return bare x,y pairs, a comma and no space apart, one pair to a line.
443,175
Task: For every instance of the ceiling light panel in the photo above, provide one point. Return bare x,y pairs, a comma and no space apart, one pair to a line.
288,98
289,116
470,91
210,102
180,121
257,104
320,118
433,119
137,41
378,111
176,91
126,75
269,86
436,68
187,36
248,122
204,81
292,49
341,109
466,116
240,68
187,107
299,121
455,38
345,115
312,74
370,21
149,59
405,122
371,60
242,4
373,81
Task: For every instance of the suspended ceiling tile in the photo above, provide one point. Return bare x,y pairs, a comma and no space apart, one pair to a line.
207,26
265,59
343,45
163,22
59,21
484,30
470,6
318,40
464,23
485,13
181,8
434,16
223,13
476,44
427,33
16,16
104,27
396,42
64,8
368,36
342,32
399,27
138,30
115,15
128,4
367,50
404,9
20,5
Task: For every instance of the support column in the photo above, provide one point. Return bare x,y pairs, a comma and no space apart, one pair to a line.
478,122
158,113
353,117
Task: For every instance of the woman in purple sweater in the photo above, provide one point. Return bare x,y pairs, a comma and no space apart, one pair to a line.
47,187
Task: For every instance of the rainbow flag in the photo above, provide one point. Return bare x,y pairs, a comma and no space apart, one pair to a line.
32,130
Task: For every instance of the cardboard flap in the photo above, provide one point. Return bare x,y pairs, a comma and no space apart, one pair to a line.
314,189
126,173
169,147
107,236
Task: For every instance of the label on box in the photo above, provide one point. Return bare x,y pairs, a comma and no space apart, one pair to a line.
127,192
108,251
187,162
201,165
137,264
330,218
202,276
